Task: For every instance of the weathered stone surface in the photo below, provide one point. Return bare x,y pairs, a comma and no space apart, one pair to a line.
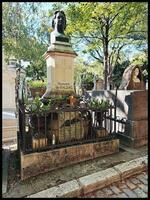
144,187
132,142
70,189
115,189
105,148
132,167
131,185
98,180
140,193
122,195
60,69
138,105
36,163
129,193
107,191
52,192
69,126
137,129
100,194
135,180
95,181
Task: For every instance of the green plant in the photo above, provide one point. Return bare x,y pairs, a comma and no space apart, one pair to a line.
59,100
36,83
97,104
87,78
36,106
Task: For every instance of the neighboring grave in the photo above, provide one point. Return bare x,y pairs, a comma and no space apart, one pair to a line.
98,83
132,105
132,79
59,59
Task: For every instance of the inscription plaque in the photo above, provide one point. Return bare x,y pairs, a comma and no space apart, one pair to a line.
62,39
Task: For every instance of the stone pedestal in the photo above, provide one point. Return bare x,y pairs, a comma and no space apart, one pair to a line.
69,126
133,106
136,129
60,66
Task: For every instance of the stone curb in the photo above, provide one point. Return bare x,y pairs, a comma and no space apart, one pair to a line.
95,181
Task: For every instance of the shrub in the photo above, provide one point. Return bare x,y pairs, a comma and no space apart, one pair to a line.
36,83
97,104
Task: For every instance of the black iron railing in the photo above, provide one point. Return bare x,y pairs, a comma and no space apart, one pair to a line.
121,124
64,127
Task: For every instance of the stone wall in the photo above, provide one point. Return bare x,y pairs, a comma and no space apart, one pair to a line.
8,89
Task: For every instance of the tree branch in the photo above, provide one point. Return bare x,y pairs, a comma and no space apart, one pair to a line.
111,20
92,54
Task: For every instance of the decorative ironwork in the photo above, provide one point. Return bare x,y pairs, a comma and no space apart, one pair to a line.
63,127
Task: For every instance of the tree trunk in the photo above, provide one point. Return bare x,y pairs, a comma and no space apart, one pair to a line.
105,69
106,65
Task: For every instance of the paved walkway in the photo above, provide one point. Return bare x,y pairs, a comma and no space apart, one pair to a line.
134,187
33,185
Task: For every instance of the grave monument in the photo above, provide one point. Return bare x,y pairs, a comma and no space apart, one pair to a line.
132,79
59,59
63,125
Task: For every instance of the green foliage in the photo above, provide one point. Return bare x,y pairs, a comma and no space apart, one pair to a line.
36,70
105,28
141,59
59,99
87,78
98,104
20,31
84,73
36,106
36,83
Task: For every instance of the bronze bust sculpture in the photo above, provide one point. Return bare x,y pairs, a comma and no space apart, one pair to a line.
59,22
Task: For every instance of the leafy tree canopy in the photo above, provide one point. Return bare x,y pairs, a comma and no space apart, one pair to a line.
106,28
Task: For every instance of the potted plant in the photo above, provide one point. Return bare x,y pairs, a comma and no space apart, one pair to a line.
37,87
37,110
100,107
98,104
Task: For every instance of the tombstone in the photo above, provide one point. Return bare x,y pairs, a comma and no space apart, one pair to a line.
132,79
132,107
59,59
98,83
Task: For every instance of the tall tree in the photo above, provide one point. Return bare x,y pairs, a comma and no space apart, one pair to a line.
21,34
106,28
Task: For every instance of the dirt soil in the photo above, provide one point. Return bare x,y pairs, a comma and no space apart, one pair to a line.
18,188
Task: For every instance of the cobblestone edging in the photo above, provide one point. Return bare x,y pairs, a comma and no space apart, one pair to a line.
95,181
132,187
